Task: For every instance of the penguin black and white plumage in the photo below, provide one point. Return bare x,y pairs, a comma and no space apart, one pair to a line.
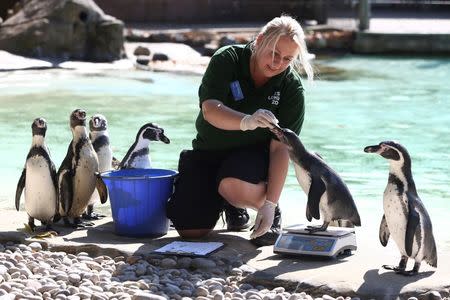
328,195
405,217
38,179
78,174
99,136
138,155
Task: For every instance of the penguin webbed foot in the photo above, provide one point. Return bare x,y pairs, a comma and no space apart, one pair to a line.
313,229
56,218
77,223
396,269
408,273
31,224
401,270
67,223
81,224
92,216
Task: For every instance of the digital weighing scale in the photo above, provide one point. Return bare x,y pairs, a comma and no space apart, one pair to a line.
296,240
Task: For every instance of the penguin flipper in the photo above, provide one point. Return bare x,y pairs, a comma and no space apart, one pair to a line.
55,183
384,232
20,187
308,214
431,258
316,191
101,188
411,227
65,190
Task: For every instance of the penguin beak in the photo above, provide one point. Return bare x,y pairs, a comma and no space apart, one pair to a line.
41,123
96,122
372,149
164,138
277,131
81,114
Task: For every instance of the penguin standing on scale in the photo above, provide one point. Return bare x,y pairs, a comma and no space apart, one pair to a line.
138,154
99,136
405,216
38,179
78,175
328,195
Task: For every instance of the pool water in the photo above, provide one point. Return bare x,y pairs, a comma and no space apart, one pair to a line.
370,100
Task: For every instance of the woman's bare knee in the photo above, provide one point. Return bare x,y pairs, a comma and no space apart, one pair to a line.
193,233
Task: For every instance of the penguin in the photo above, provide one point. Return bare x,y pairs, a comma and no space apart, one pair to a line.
38,179
138,154
78,174
328,195
99,136
405,217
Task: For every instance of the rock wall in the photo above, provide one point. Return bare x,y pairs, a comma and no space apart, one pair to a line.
213,11
63,30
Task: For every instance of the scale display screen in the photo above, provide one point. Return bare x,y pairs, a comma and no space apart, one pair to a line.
306,244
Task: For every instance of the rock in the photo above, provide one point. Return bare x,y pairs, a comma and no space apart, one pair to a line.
246,269
209,49
147,296
168,263
143,60
184,262
159,38
201,292
63,30
226,40
160,57
140,50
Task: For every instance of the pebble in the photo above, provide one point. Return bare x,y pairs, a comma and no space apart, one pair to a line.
31,272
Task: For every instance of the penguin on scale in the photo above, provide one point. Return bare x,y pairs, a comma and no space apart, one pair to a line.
38,179
99,136
328,197
78,174
405,217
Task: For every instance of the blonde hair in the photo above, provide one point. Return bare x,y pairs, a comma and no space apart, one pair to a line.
286,26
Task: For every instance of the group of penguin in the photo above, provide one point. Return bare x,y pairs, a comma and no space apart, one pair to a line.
405,217
72,191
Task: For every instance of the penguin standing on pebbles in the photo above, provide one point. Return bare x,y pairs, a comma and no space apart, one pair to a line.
405,217
99,136
78,174
138,154
328,195
38,179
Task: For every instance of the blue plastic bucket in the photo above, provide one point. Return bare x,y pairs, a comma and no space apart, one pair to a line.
138,200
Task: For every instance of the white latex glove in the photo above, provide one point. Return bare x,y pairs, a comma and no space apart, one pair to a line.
260,118
264,219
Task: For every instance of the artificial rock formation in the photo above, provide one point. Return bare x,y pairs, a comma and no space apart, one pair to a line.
63,30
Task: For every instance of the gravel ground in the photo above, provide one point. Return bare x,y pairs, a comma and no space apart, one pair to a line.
30,272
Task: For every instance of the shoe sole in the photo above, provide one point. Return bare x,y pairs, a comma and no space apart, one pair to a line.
238,228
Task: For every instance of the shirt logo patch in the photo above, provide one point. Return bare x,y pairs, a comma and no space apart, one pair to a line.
275,98
236,91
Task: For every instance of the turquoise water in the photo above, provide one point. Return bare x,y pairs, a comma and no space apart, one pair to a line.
373,99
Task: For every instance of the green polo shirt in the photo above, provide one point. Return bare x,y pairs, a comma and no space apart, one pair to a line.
228,80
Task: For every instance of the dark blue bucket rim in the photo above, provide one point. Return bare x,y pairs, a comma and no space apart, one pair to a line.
170,173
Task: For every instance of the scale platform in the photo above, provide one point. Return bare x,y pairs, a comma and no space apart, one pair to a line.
296,240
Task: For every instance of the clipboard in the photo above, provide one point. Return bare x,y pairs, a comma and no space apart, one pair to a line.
201,249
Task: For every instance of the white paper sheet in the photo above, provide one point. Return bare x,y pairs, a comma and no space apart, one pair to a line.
189,248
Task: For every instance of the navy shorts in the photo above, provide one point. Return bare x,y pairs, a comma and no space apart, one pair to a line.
196,203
